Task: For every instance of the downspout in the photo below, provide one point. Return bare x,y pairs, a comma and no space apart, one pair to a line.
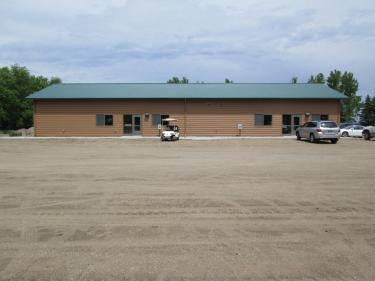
34,118
185,117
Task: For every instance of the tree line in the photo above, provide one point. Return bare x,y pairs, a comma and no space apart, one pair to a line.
16,83
348,85
368,111
345,83
184,80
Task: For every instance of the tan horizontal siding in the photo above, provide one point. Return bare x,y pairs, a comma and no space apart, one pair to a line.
202,117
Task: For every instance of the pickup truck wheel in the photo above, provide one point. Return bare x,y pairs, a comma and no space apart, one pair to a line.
298,136
366,135
312,138
334,141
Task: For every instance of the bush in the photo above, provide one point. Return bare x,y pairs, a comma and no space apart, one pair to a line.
15,134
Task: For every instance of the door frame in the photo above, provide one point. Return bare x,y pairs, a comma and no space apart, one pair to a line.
292,125
133,132
123,125
293,130
137,133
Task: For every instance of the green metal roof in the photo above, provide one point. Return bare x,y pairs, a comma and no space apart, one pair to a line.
188,91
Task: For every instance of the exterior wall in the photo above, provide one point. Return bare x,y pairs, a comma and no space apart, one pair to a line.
196,117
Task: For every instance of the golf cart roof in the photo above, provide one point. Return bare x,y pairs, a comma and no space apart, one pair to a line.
170,120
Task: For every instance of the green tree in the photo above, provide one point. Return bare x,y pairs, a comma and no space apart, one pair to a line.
294,80
228,81
367,111
55,80
176,80
16,83
318,79
348,85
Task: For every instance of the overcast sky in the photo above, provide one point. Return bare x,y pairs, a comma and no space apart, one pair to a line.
204,40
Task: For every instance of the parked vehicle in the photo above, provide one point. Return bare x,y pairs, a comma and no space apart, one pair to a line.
368,132
319,130
170,131
344,125
352,131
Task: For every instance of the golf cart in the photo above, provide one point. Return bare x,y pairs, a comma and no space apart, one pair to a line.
170,130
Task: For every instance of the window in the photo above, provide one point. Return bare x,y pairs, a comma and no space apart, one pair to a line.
328,125
104,120
267,120
164,117
108,120
263,120
319,117
156,120
311,125
100,120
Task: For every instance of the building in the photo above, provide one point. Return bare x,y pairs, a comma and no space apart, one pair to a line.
201,109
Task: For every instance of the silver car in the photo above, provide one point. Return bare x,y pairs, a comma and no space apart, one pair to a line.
319,130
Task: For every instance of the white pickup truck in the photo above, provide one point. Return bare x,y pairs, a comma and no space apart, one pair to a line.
368,132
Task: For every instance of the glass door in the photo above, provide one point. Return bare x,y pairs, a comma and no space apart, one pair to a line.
132,124
296,123
290,123
128,124
287,124
137,125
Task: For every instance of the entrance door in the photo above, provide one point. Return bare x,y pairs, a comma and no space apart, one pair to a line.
128,124
291,123
296,119
132,124
137,125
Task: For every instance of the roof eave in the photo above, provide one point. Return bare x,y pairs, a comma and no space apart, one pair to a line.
195,98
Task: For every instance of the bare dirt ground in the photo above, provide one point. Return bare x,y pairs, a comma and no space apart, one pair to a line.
189,210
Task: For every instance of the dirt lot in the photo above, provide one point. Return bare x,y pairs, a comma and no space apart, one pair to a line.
192,210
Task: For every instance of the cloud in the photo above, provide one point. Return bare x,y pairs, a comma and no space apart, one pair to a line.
151,40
